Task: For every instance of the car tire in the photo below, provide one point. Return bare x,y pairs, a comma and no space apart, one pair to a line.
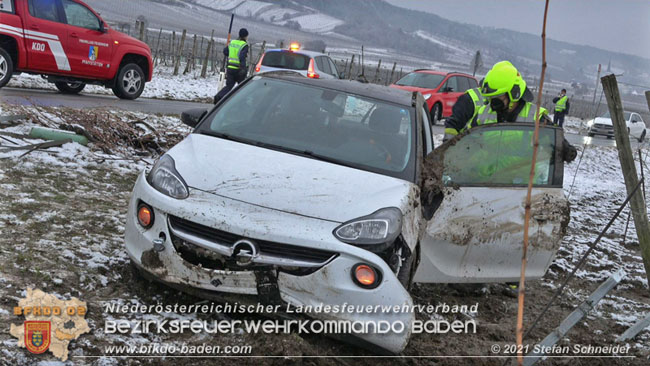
436,113
6,67
642,137
70,88
591,134
609,137
129,83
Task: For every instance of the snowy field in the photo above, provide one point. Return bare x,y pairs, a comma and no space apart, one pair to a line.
62,214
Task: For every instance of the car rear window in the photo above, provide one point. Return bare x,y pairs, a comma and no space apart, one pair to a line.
421,80
286,60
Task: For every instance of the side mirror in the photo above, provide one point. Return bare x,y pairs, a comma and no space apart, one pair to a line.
102,28
192,117
447,89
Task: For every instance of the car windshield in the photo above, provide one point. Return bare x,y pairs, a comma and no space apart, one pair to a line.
286,60
626,114
421,80
319,123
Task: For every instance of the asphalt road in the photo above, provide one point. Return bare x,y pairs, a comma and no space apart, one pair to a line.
51,98
19,96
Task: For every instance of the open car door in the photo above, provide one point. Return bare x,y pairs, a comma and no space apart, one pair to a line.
474,231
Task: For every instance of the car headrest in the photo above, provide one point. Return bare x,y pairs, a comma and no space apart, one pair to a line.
385,120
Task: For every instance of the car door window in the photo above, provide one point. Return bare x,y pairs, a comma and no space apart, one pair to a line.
463,84
323,65
500,155
472,83
453,84
44,9
79,16
333,68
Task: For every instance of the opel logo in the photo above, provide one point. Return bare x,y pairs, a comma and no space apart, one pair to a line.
244,251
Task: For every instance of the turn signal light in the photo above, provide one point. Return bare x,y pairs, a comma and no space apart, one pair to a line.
365,276
145,215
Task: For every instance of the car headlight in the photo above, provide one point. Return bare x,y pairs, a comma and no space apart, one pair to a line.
427,96
165,179
381,227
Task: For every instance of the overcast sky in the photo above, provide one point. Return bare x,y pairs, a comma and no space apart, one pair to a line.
615,25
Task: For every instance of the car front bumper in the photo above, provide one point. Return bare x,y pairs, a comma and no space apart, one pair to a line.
329,284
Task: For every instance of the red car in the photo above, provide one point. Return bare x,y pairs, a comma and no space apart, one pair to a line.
440,89
68,43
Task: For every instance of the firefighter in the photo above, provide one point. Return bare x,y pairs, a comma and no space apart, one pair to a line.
562,106
466,108
509,100
236,52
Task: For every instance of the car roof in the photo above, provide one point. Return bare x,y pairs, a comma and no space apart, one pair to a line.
435,72
300,52
374,91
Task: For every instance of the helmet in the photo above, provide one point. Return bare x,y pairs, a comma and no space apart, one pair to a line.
503,79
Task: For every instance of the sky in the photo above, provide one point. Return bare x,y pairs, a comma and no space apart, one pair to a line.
614,25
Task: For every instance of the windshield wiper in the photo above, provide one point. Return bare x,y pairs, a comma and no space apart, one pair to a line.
226,136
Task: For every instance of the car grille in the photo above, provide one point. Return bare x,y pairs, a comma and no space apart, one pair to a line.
272,253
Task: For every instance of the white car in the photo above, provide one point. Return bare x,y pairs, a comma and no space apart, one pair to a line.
603,126
307,192
310,64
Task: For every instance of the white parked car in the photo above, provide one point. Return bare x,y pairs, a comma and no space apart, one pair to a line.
307,192
603,126
310,64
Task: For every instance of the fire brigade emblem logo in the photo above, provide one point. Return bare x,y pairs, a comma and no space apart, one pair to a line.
93,53
37,336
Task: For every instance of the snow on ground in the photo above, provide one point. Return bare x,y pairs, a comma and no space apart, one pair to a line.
252,8
424,35
164,85
220,4
316,23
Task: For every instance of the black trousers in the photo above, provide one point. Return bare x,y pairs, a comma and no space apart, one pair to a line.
233,76
558,118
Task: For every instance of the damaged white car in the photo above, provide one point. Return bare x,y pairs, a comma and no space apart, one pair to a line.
309,192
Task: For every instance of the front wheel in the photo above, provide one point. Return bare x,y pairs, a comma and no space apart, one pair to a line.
130,82
436,114
6,67
70,88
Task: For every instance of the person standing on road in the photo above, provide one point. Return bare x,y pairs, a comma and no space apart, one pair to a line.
561,108
236,52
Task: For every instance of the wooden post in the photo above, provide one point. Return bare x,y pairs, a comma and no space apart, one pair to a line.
392,72
637,203
377,72
351,65
647,98
190,61
155,58
177,64
142,31
204,67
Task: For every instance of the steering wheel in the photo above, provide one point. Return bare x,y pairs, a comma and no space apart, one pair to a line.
382,151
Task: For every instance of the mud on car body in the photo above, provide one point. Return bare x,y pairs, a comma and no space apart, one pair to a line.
309,192
71,46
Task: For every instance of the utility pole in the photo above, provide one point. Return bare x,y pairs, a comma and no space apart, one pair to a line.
637,203
647,98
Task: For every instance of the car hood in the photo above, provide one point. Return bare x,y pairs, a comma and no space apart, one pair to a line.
125,39
603,121
285,182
